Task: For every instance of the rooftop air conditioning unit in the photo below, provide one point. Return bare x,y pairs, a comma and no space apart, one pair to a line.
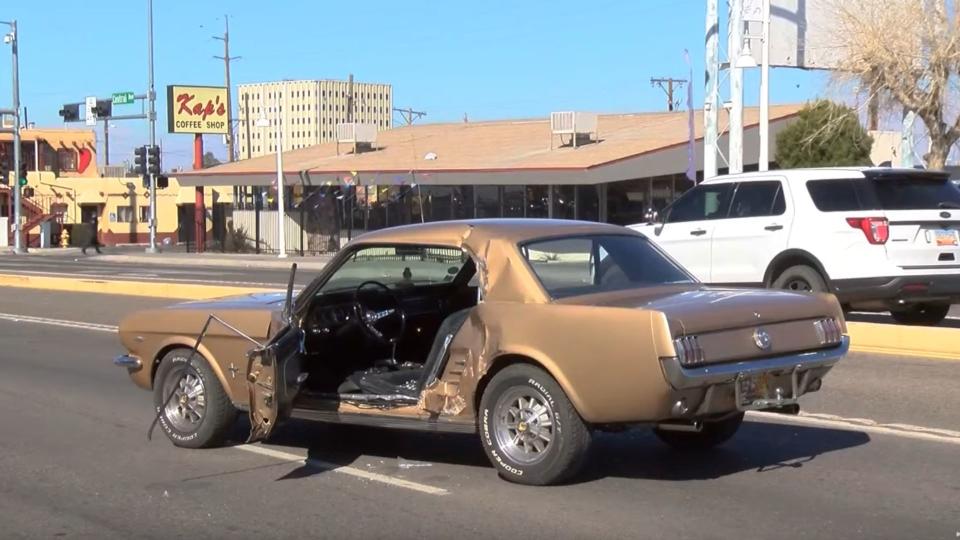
361,136
575,124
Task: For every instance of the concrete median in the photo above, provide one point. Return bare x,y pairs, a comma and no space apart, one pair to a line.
865,337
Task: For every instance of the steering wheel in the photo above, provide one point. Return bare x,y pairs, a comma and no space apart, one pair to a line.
379,312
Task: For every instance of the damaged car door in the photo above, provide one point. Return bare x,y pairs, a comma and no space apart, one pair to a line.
274,374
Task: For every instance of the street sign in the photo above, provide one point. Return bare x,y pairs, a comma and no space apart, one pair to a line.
122,98
91,104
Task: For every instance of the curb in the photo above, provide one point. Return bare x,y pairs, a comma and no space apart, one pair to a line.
175,291
279,264
924,341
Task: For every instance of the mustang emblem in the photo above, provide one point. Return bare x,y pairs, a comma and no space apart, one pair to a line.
761,339
945,215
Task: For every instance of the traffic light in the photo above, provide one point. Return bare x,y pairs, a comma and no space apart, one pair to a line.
22,177
103,109
163,182
4,171
71,113
27,192
140,160
153,160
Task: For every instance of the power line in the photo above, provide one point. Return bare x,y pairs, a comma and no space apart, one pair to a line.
668,85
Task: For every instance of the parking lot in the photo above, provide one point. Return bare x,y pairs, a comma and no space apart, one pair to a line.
874,455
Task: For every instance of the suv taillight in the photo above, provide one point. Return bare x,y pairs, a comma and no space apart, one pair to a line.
876,229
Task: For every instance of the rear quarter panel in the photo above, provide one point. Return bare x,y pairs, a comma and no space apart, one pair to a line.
605,359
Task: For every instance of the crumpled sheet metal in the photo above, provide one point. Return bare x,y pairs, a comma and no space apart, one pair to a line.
462,373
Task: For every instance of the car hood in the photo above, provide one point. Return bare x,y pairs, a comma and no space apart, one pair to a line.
271,301
692,308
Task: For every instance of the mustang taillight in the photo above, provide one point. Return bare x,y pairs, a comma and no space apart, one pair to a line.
828,331
689,351
876,229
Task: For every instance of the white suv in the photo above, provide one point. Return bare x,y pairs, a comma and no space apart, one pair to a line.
878,238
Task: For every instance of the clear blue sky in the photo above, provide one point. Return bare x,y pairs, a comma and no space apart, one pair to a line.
494,59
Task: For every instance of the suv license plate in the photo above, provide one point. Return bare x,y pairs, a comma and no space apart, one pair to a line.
945,237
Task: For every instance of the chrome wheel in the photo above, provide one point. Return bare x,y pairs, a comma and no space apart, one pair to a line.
525,425
186,408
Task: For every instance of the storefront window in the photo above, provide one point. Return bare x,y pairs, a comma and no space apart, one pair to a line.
564,202
627,201
513,201
462,202
588,203
538,201
488,201
67,159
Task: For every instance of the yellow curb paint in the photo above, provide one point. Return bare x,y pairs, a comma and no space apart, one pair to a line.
928,342
177,291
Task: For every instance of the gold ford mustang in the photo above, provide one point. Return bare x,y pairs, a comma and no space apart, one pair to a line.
531,332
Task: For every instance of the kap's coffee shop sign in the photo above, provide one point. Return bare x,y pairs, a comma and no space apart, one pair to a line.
197,109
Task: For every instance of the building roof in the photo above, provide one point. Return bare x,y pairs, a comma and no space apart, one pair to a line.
54,136
464,150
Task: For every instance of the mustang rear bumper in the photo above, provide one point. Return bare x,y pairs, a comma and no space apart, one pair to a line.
682,378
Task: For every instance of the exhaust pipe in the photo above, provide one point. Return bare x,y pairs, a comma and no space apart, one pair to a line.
688,427
793,409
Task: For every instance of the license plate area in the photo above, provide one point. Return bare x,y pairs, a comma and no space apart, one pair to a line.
766,390
944,238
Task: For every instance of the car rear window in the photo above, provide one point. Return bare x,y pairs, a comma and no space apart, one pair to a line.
888,193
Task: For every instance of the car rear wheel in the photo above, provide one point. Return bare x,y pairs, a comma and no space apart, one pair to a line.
712,434
922,314
529,429
194,410
800,278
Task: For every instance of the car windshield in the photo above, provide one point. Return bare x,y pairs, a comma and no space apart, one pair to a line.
580,265
397,266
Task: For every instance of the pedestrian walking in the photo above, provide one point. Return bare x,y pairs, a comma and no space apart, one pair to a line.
93,241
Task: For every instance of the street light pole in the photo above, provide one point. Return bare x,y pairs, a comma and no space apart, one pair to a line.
13,38
764,159
281,187
734,47
152,97
712,102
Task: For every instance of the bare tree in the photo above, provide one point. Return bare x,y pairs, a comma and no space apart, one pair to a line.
907,51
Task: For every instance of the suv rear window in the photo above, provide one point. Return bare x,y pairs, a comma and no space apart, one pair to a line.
889,193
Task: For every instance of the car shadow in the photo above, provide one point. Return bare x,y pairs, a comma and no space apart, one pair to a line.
758,446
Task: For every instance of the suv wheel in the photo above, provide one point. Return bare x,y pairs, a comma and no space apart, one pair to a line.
922,314
710,435
194,410
529,429
800,278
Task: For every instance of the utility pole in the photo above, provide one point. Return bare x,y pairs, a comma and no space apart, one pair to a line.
734,47
106,142
711,106
152,118
13,38
409,115
668,84
226,69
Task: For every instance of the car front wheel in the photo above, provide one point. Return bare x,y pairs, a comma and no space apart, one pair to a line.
710,435
194,411
922,314
529,429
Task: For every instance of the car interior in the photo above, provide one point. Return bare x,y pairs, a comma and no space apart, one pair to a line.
378,330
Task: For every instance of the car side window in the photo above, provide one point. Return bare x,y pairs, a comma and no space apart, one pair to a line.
701,203
756,199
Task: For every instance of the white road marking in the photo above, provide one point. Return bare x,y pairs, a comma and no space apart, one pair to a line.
58,322
95,275
352,471
866,425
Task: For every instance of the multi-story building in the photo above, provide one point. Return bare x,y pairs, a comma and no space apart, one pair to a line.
308,112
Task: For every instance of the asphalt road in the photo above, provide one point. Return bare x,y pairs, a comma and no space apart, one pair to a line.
874,460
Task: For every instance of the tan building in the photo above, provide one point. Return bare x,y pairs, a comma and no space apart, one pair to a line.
308,112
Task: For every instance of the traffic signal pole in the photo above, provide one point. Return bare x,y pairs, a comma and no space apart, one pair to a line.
152,97
199,213
18,245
